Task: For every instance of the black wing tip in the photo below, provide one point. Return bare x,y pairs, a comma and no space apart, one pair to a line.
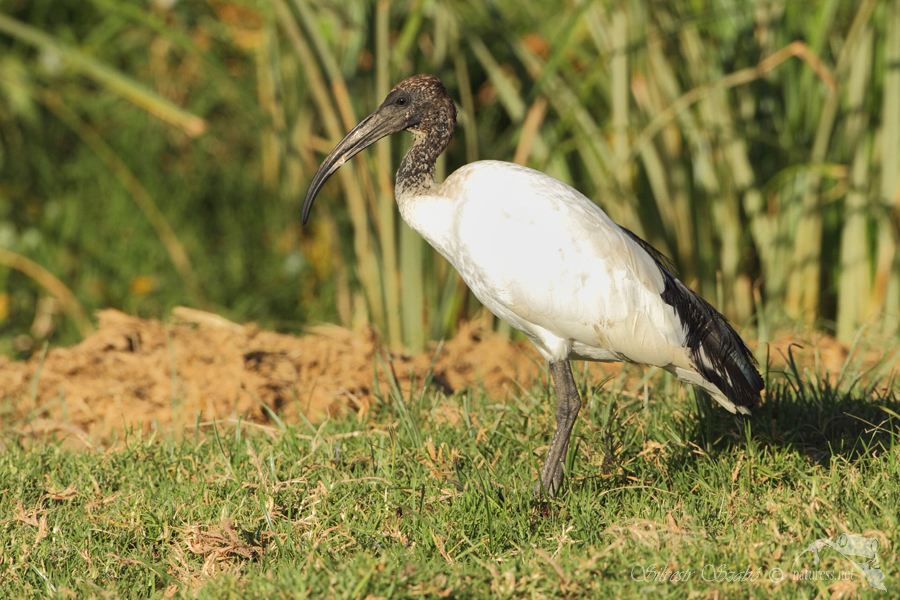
729,364
734,368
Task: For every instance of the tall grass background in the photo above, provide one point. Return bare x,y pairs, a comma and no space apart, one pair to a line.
157,153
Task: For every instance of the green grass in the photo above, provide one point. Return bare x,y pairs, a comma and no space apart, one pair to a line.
432,498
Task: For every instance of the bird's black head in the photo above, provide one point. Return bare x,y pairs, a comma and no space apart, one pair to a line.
419,104
422,104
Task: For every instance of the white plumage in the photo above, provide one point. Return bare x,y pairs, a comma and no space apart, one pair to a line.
548,261
543,257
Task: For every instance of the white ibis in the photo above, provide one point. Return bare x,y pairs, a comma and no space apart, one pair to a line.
544,258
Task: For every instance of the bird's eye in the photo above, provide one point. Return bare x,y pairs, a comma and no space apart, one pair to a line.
400,101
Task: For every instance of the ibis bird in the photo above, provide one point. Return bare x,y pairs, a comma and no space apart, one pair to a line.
548,261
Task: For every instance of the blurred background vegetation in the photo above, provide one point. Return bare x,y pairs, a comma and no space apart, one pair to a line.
156,153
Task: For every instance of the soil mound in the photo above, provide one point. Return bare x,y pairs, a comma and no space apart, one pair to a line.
142,373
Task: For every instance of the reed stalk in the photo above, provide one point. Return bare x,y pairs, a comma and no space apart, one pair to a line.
855,280
886,287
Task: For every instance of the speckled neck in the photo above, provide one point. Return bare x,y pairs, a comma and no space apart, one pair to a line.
416,173
431,135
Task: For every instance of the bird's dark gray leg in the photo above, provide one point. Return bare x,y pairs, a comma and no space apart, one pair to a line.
568,403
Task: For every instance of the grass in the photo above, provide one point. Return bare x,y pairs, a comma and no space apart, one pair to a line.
431,497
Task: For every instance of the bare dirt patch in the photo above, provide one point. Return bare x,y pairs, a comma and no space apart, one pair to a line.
144,373
148,374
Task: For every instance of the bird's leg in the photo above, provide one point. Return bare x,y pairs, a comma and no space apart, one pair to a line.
568,403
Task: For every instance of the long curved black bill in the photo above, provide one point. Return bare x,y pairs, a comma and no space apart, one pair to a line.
370,130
